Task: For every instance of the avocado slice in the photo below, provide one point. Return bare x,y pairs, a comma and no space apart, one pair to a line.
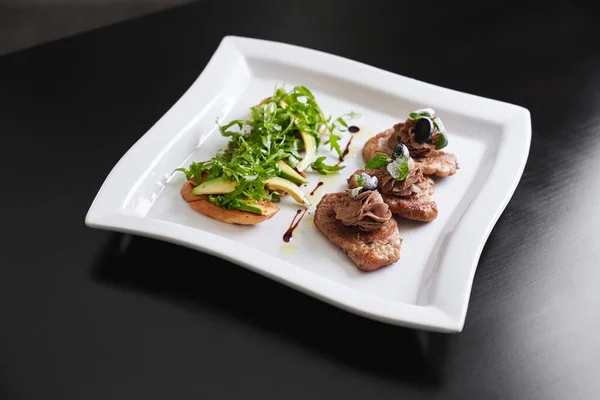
310,148
288,173
253,208
215,186
288,187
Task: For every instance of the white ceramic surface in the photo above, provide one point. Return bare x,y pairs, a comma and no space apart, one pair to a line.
429,287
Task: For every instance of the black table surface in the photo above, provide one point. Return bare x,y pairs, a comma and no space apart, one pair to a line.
90,314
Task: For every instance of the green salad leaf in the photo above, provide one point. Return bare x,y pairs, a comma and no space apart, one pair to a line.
323,168
334,144
257,144
340,125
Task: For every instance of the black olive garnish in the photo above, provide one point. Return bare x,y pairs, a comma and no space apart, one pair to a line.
423,130
400,151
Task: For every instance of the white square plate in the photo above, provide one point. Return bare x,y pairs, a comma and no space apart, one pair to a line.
429,287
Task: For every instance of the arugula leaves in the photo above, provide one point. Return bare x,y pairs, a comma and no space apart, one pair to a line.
379,161
195,171
324,169
257,144
334,144
339,124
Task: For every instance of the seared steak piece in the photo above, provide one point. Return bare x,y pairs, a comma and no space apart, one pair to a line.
368,250
418,206
437,162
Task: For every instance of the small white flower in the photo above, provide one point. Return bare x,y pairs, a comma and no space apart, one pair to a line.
369,182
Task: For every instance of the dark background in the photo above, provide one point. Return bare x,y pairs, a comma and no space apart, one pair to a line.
26,23
88,314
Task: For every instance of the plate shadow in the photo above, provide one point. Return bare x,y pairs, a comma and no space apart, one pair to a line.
195,280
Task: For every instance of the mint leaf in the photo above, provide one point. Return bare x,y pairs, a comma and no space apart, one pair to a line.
415,116
403,171
426,112
398,169
439,125
441,141
379,161
323,168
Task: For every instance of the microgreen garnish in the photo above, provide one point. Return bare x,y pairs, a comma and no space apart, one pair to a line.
339,124
424,112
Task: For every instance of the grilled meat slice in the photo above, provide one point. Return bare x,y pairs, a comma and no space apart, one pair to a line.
368,250
437,162
418,207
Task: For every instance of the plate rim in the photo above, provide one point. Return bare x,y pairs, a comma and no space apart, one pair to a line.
104,212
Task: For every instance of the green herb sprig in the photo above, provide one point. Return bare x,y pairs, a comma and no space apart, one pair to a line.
325,169
379,161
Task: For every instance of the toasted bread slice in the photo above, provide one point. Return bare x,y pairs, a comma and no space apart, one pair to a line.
204,206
